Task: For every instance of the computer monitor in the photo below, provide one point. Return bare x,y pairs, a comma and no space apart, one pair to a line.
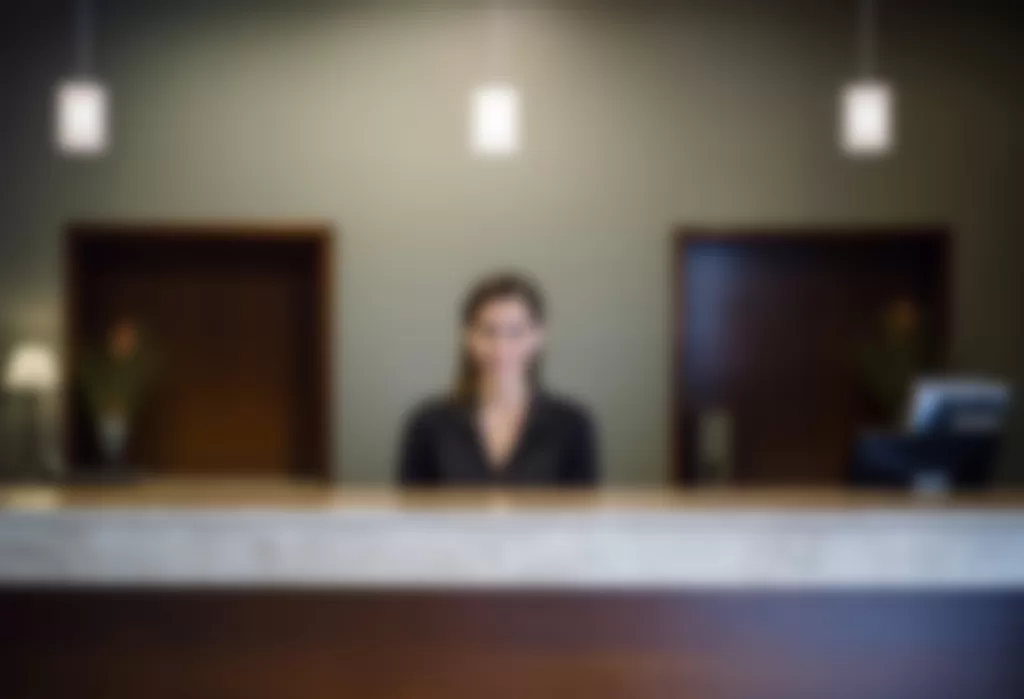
959,406
953,434
900,460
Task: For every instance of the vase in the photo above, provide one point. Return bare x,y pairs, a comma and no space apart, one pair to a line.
113,433
715,447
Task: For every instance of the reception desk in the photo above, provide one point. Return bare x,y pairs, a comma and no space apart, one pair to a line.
253,590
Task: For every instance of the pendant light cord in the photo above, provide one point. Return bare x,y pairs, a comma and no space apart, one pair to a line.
497,49
867,39
84,37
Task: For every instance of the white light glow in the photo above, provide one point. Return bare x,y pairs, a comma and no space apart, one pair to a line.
31,367
494,120
866,119
81,117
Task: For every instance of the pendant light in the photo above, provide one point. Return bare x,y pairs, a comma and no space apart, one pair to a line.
495,106
81,102
867,105
495,120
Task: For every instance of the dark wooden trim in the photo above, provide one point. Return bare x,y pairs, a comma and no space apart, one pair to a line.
950,255
69,350
227,228
329,315
780,232
676,349
686,234
319,233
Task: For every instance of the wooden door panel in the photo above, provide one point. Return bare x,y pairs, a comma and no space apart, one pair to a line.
236,325
770,328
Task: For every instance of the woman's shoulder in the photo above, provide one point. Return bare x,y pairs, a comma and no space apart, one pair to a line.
432,410
566,409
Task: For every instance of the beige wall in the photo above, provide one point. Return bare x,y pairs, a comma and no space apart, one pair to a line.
635,120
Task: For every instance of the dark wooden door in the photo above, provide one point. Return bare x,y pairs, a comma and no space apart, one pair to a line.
235,326
769,329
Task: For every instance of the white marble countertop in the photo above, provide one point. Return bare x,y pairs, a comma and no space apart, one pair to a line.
370,542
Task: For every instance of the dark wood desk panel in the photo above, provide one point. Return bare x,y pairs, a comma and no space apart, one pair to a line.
344,643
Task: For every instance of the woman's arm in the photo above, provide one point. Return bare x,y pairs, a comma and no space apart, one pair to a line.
417,463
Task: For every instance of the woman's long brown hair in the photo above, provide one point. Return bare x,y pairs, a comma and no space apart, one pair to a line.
507,285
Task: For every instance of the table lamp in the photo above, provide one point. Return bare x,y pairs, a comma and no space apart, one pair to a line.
31,372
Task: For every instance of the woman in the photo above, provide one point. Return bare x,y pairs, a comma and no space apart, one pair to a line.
498,426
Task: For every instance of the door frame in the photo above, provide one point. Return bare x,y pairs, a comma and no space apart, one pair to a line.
687,234
320,234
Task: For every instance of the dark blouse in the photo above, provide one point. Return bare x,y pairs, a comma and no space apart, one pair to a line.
442,446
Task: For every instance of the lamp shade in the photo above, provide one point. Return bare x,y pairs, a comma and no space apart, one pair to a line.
31,367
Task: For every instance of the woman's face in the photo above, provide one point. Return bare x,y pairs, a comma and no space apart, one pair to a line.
504,339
